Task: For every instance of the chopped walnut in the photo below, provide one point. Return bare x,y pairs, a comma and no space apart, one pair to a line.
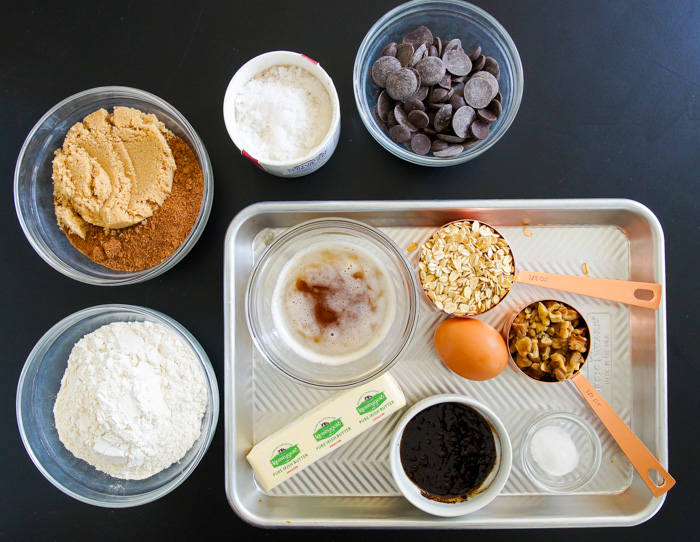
548,341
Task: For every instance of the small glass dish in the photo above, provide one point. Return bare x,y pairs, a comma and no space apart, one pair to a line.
585,440
447,19
39,384
271,342
33,184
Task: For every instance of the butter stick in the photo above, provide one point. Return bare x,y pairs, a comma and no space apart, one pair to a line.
323,429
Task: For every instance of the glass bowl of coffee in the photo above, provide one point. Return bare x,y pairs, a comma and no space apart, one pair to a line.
332,303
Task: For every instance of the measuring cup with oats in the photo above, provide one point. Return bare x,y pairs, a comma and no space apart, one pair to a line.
467,268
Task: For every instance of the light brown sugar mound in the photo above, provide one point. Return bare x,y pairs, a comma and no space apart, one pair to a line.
113,171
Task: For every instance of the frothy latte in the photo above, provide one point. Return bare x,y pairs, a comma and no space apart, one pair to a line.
333,303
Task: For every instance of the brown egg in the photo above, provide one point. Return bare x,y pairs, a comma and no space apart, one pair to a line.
471,348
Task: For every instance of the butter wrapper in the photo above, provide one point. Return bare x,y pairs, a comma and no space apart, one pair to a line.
329,425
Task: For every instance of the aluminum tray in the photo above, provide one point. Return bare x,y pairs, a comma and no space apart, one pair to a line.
353,487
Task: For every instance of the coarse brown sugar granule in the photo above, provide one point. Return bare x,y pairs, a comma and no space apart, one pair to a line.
153,240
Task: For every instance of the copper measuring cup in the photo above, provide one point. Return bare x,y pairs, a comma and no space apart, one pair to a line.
641,294
639,455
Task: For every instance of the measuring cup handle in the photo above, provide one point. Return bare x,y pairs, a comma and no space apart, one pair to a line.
641,294
638,454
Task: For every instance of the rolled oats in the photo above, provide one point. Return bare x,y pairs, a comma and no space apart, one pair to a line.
472,265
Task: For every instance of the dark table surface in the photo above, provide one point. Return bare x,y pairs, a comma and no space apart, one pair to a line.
611,108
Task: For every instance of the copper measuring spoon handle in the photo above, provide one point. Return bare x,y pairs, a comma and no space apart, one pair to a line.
641,294
639,455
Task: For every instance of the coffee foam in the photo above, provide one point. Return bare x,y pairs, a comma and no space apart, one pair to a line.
344,308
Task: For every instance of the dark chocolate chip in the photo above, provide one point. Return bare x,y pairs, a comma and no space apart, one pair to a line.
495,107
420,144
439,145
419,119
404,54
391,119
469,143
457,62
383,125
384,105
432,51
491,66
402,83
451,150
455,44
399,133
442,118
415,71
420,36
438,44
457,101
478,64
418,54
479,130
402,118
431,70
382,68
499,97
390,50
446,81
451,138
478,92
475,53
484,115
461,120
438,94
458,78
490,78
420,94
413,104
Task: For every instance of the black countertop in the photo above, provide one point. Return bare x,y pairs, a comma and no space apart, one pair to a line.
611,109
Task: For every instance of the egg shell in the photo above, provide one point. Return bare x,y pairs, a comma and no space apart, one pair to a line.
471,348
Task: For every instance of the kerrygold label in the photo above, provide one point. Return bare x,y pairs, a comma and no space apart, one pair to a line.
327,428
370,402
284,455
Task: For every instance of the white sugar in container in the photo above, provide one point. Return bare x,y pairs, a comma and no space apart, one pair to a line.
237,119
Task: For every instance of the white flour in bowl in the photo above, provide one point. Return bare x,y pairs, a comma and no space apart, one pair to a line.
131,400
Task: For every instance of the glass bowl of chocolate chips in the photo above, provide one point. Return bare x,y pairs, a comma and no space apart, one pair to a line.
437,82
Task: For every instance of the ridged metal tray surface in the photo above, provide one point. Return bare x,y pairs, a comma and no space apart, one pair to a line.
353,486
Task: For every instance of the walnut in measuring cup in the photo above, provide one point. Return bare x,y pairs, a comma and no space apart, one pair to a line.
548,340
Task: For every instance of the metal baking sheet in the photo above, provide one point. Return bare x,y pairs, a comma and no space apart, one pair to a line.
353,487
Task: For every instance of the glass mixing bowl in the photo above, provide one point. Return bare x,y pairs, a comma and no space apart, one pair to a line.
275,346
447,19
33,187
38,386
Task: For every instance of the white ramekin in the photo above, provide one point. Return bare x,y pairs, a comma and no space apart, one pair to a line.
491,487
316,157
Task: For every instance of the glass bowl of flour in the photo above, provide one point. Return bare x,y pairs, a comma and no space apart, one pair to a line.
117,405
332,303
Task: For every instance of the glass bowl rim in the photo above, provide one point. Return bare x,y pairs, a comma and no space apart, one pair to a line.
381,137
580,422
30,370
377,236
42,248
